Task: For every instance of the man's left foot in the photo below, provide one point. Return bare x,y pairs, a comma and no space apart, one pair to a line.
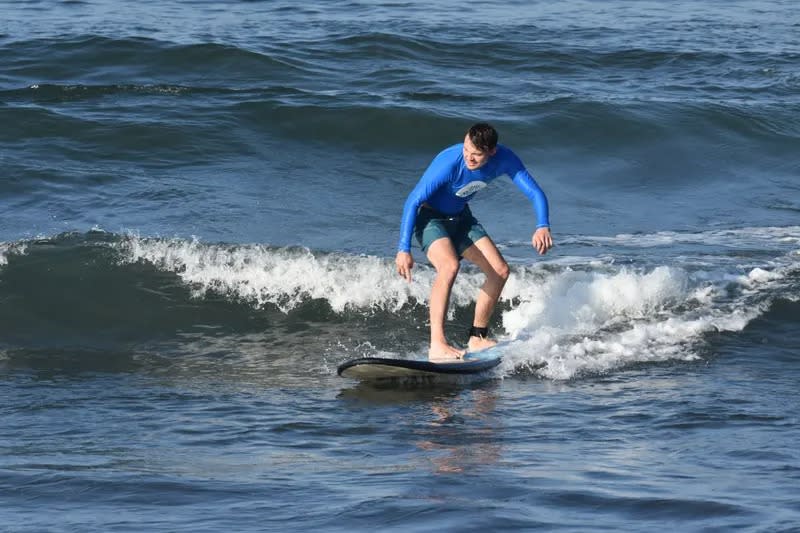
477,344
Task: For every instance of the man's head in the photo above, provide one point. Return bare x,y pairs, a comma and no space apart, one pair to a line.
480,144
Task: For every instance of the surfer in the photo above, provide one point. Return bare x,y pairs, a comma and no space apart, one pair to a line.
438,215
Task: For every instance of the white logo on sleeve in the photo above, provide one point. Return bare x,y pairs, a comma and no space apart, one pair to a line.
470,188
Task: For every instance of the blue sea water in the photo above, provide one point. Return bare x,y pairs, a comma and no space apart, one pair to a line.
199,209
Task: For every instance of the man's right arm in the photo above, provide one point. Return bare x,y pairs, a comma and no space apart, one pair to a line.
414,200
436,175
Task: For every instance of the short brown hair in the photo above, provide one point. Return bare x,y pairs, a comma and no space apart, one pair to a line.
483,136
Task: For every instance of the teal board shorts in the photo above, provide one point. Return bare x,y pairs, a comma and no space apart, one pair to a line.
463,229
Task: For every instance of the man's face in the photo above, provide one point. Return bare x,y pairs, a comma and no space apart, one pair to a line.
473,157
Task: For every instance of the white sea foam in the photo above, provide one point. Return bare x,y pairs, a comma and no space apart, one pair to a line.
286,277
586,300
11,248
594,321
592,317
576,318
759,275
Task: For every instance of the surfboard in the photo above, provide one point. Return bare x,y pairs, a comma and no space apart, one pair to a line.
380,368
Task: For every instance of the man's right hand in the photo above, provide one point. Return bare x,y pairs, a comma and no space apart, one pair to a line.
404,263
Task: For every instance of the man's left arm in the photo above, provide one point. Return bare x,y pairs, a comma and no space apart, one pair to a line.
541,240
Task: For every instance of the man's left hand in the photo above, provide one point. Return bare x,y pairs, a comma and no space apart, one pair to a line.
542,240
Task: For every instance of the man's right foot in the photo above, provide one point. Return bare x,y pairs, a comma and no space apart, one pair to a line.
439,353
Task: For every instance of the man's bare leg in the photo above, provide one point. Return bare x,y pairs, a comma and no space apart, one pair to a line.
444,259
488,258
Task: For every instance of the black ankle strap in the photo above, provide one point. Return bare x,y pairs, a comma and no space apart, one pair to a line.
478,332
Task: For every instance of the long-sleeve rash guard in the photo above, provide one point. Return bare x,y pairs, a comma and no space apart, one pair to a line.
447,185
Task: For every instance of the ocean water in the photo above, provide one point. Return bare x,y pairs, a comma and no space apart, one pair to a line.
199,208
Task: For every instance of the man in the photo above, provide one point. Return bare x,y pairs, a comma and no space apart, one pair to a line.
437,213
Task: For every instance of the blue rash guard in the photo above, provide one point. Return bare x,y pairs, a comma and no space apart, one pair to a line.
447,185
